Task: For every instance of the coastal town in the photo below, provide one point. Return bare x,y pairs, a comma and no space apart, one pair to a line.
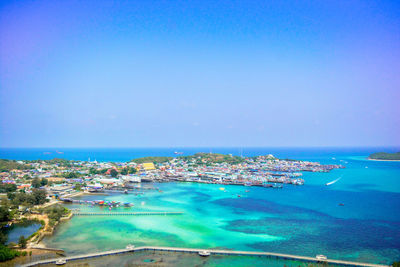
64,176
33,191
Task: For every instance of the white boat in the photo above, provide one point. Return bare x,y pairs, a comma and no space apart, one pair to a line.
334,181
130,247
321,257
61,262
204,253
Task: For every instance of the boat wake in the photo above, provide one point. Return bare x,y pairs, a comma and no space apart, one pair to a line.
334,181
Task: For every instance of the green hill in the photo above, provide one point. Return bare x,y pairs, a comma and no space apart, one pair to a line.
152,159
213,158
385,156
8,165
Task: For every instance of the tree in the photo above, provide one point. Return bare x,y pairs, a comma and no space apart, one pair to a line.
5,188
70,175
3,238
36,183
113,173
124,171
93,171
7,253
22,242
10,195
44,182
39,196
5,214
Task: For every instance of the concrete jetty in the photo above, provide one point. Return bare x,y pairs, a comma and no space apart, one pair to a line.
212,251
79,213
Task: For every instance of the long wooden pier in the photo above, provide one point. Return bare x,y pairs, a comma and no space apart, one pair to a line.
80,213
212,251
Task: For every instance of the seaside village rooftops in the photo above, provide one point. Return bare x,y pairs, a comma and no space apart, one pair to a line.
257,171
149,166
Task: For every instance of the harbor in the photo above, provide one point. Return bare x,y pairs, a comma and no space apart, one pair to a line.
249,204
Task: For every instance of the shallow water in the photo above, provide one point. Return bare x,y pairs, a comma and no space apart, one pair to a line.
303,220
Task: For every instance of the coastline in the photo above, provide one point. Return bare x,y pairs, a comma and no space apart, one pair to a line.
393,160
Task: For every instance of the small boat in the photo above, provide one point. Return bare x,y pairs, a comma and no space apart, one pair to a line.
126,191
238,196
278,186
204,253
321,257
61,262
341,204
246,191
130,247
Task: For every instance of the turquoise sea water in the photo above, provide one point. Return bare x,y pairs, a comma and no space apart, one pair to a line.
304,220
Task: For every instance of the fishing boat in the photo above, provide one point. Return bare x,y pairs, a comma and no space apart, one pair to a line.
321,257
130,247
204,253
61,262
277,186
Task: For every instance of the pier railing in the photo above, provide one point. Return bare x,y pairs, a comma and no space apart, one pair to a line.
212,252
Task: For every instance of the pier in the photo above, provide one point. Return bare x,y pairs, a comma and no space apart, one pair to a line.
79,213
212,252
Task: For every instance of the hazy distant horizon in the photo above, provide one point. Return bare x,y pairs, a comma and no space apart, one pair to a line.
205,147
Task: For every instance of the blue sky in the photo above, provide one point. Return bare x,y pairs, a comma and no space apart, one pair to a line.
199,73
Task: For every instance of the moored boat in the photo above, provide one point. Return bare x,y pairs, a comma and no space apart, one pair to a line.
321,257
61,262
204,253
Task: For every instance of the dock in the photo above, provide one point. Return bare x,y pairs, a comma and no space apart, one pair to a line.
212,252
80,213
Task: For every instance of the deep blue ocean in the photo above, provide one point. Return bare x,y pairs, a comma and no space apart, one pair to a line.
307,219
126,154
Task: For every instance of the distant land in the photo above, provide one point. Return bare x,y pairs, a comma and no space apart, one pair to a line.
385,156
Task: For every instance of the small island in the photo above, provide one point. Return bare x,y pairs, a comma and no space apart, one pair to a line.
385,156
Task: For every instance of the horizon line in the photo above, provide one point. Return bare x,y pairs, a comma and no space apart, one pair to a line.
188,147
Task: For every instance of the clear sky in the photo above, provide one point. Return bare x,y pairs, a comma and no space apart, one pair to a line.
199,73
